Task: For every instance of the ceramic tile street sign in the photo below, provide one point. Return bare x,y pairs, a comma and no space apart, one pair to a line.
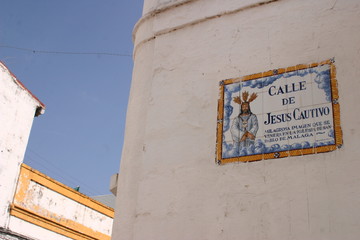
284,112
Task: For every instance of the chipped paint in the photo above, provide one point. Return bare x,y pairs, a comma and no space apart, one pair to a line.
17,109
51,205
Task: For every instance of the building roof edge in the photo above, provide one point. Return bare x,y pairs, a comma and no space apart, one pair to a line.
41,107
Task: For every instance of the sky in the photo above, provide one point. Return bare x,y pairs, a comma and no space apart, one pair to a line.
78,140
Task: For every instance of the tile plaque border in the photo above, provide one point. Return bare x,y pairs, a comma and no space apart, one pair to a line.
280,154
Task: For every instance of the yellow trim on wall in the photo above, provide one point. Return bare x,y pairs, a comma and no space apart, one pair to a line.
49,220
30,174
78,233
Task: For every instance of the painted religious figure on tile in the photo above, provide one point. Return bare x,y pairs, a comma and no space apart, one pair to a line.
245,126
283,112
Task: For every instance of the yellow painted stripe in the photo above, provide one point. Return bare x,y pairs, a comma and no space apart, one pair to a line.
336,107
221,103
231,80
28,174
79,233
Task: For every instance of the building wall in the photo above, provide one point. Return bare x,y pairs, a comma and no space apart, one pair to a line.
33,231
17,108
169,184
46,209
33,205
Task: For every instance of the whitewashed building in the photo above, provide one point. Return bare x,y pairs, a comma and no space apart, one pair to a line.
18,106
193,168
34,206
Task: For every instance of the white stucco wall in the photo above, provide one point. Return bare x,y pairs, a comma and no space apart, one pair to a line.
44,208
33,231
17,110
51,204
169,185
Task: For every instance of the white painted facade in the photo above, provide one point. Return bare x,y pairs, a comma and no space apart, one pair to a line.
32,205
49,203
169,185
17,110
46,209
33,231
